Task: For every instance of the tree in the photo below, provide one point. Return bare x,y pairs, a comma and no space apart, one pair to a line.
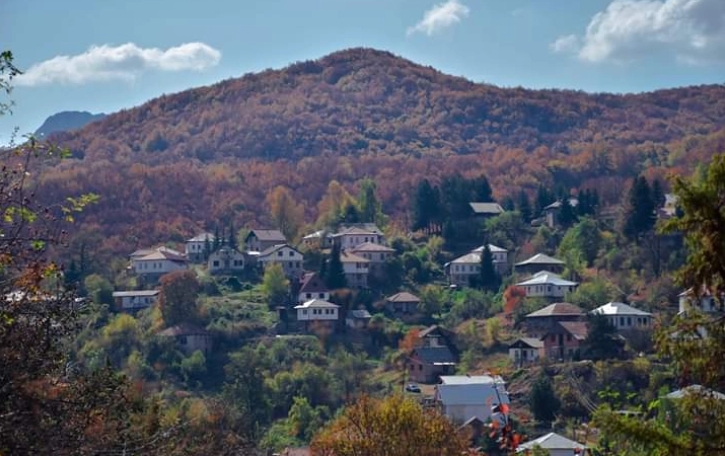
99,289
335,277
370,208
488,278
582,241
639,215
177,297
543,401
287,215
602,339
247,393
523,205
426,207
331,206
566,216
275,285
392,426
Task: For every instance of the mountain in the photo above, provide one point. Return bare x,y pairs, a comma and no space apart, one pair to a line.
366,101
184,162
66,121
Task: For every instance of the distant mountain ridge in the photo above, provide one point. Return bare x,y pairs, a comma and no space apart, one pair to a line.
66,121
361,101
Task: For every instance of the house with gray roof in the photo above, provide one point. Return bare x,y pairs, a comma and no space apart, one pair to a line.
461,397
541,321
547,285
526,350
402,303
462,269
134,300
624,317
555,444
539,262
427,364
199,247
261,240
358,319
486,209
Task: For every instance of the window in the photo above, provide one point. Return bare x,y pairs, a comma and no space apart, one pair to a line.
215,263
304,311
568,337
182,340
279,254
621,321
629,321
308,295
291,253
322,295
553,338
366,239
382,256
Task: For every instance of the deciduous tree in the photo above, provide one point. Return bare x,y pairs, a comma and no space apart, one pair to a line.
177,297
287,215
275,285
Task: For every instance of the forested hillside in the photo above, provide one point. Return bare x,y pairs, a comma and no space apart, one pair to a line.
179,162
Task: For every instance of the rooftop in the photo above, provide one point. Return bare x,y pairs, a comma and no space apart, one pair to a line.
203,237
551,441
491,247
435,355
403,296
695,390
372,247
125,294
472,394
530,342
470,379
317,304
184,329
558,308
548,278
540,258
486,208
620,308
312,283
268,235
349,257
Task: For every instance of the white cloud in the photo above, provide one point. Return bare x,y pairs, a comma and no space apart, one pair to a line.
691,30
567,44
125,62
441,16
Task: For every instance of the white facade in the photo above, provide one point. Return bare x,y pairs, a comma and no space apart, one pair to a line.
623,316
356,269
548,285
462,269
195,247
159,262
470,397
135,300
317,310
290,259
705,303
226,260
352,237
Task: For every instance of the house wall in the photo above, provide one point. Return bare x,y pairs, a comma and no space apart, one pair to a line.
350,241
705,304
219,262
401,307
547,291
521,356
303,297
426,373
314,314
356,274
629,321
195,251
191,343
291,261
561,346
157,267
134,302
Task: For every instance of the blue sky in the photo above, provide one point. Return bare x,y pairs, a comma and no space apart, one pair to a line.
102,56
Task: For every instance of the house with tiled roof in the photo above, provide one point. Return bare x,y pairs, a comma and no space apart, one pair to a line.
547,285
541,321
358,319
426,364
376,254
150,265
526,350
356,269
461,270
347,238
199,247
565,340
288,257
554,445
402,303
539,262
261,240
312,287
624,317
317,312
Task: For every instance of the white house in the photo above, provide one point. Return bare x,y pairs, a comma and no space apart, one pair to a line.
226,260
356,269
525,350
376,254
351,237
261,240
548,285
555,445
312,287
462,397
623,316
131,301
196,247
158,262
705,303
462,269
290,259
317,311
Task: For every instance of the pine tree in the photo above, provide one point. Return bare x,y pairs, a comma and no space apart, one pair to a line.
543,401
524,207
370,207
231,239
217,239
566,216
639,216
543,199
488,279
482,190
335,272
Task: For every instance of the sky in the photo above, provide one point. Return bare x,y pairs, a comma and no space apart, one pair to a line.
107,55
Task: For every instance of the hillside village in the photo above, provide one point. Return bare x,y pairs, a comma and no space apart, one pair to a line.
453,329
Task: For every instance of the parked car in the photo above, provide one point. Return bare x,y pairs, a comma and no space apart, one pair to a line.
412,388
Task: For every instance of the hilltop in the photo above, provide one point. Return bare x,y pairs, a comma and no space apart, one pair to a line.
362,101
66,121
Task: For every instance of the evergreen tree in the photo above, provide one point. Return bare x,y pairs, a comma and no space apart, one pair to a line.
217,239
543,401
658,194
524,207
566,216
231,237
639,216
488,279
543,199
370,208
335,272
482,192
350,214
422,216
207,247
602,341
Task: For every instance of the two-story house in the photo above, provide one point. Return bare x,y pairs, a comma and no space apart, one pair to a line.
539,262
199,247
461,270
288,257
376,255
547,285
624,317
149,266
565,340
317,312
463,397
312,287
226,260
132,301
402,303
356,269
350,237
706,302
434,355
543,320
261,240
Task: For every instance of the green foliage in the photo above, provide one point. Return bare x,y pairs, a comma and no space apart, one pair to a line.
275,285
334,271
370,208
581,242
602,341
99,289
593,293
194,367
178,297
639,216
488,277
543,401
